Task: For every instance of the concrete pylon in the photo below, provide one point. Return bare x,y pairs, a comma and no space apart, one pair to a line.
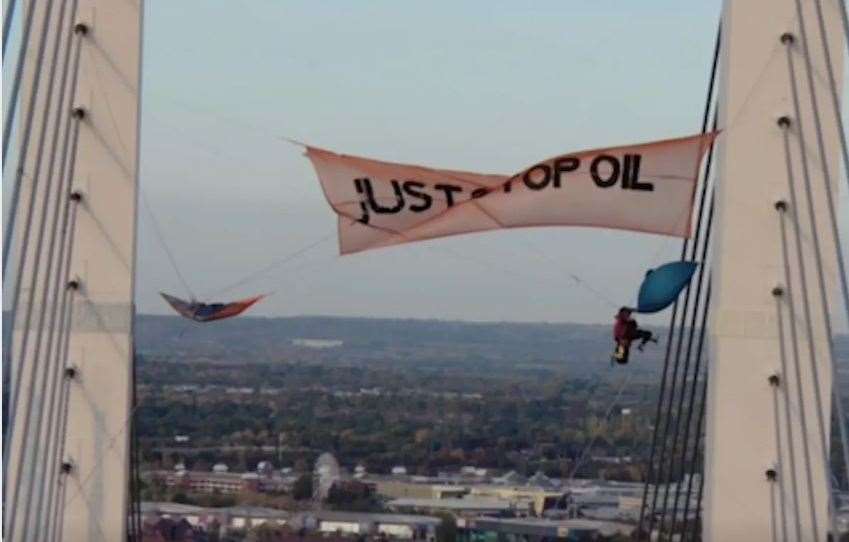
748,433
94,497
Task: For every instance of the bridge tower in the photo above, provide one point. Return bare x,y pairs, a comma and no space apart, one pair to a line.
90,493
756,459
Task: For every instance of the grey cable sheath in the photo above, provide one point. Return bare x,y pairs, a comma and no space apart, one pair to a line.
697,372
8,15
50,464
60,278
782,354
803,282
13,208
661,393
673,321
845,19
25,243
44,219
695,457
12,99
27,129
59,436
832,83
692,330
844,287
25,247
776,415
61,197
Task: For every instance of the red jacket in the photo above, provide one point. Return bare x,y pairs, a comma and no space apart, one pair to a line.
622,329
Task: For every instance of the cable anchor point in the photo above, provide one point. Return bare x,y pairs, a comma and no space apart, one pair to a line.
774,379
771,475
777,291
788,38
71,372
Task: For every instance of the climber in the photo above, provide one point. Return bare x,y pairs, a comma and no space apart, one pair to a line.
626,330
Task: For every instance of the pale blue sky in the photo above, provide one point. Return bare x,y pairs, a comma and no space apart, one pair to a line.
483,86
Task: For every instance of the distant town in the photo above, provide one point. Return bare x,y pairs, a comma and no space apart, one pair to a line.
518,431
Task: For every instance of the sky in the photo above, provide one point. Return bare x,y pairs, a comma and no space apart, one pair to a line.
482,86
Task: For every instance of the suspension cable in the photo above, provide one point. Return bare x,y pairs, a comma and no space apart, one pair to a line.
697,373
662,475
700,431
25,137
9,116
803,283
841,6
694,457
58,198
17,375
69,199
691,335
43,219
8,15
844,287
673,319
785,375
59,437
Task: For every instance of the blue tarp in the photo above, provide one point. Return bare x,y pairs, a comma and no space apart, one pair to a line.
662,285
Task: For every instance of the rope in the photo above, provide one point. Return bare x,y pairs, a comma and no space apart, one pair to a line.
584,453
672,322
275,264
807,315
577,279
161,238
844,287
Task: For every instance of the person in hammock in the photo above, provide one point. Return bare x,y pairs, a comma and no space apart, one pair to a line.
207,312
625,331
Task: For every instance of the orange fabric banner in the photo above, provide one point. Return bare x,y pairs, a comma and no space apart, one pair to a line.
648,187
